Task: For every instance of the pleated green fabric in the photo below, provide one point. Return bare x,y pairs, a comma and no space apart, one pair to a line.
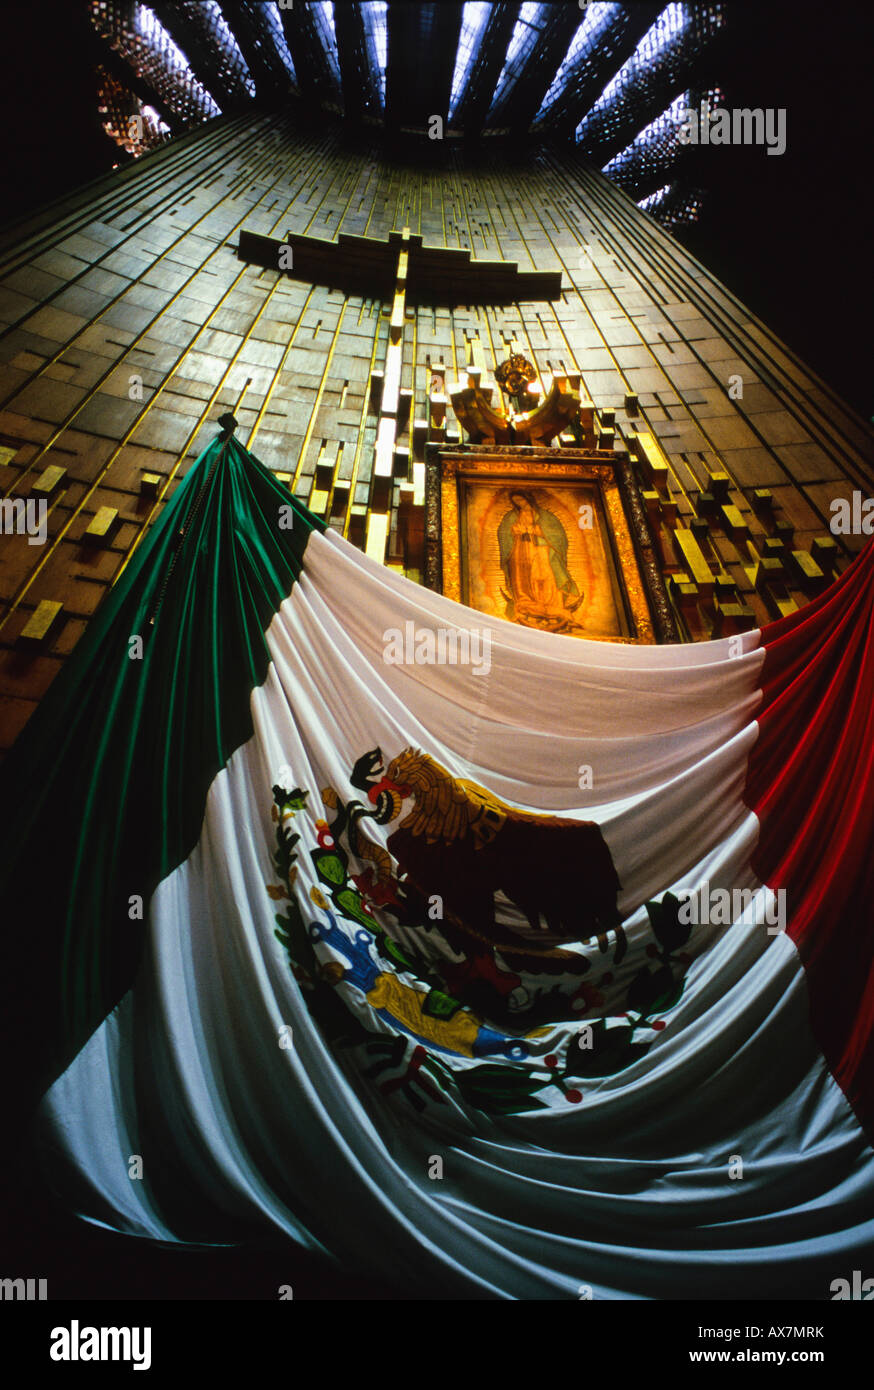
105,789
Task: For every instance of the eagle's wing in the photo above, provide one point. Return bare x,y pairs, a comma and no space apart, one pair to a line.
488,813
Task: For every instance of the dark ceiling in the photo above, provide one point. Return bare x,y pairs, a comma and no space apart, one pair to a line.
609,77
789,235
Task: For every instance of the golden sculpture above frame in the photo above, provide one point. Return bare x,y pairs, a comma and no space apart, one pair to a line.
542,539
529,419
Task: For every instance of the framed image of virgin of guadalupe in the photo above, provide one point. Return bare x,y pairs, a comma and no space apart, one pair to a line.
544,543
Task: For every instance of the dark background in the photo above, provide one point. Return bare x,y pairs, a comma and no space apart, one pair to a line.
790,235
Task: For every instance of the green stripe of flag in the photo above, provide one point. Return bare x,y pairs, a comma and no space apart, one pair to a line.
105,789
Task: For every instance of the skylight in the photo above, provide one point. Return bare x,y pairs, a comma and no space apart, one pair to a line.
139,36
231,45
273,22
531,21
653,199
149,27
672,207
151,115
669,25
667,124
652,155
475,17
374,15
597,18
134,126
323,13
621,131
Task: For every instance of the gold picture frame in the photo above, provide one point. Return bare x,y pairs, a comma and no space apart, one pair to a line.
543,541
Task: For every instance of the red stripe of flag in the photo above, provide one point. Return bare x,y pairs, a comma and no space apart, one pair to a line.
810,781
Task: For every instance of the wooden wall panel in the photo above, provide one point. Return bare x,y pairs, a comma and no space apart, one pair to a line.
128,326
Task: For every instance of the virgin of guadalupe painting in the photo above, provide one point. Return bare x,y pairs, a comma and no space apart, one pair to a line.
541,541
538,587
540,554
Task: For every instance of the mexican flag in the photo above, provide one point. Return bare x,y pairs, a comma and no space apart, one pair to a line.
482,960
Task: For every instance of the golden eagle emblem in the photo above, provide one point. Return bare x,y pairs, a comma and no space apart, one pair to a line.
461,842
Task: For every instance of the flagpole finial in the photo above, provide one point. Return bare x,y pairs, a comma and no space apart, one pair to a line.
228,423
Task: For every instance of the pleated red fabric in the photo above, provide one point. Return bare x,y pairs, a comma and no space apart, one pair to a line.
811,783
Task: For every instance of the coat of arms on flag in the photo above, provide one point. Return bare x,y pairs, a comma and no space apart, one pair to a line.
389,920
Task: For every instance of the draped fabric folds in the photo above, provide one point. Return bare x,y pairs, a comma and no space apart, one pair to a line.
811,784
492,963
106,787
